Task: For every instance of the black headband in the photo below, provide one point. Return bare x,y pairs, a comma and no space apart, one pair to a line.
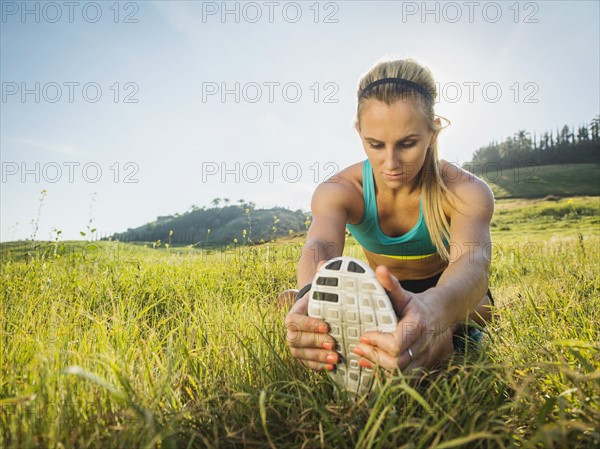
401,81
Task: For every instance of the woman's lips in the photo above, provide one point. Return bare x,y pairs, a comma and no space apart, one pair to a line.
393,176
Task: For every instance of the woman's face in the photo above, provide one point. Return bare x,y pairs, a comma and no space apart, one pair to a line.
395,139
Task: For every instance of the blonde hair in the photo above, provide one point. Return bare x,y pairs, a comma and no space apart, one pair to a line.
431,182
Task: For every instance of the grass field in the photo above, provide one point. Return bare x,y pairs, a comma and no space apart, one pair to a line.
106,345
539,181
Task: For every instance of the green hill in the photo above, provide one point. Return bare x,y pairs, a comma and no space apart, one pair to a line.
540,181
228,224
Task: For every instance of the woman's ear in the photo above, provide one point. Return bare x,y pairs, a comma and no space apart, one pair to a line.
433,138
438,122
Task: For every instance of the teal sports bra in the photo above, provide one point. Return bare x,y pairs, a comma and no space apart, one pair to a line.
415,244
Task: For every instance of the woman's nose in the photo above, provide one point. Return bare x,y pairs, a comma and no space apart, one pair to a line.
391,159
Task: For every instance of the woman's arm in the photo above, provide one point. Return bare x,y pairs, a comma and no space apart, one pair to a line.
307,337
429,319
465,281
326,235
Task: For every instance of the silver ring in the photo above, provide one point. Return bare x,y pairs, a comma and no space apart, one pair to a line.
410,354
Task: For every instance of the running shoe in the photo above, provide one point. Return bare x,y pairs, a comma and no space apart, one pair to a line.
346,294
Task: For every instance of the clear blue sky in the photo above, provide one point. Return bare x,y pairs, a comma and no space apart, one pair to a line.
145,67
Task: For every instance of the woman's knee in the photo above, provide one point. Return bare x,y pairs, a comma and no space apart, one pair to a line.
287,297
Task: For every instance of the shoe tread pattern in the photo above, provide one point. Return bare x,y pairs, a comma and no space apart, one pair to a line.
346,294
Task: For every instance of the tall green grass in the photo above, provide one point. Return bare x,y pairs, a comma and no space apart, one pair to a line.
115,346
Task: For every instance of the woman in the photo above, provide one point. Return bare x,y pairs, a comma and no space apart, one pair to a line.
423,224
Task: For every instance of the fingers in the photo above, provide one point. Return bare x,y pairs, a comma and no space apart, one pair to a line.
405,336
310,342
416,350
297,338
308,337
390,349
382,340
317,366
398,296
374,356
315,358
315,350
298,322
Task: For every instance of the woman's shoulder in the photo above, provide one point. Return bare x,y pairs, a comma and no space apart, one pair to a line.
344,188
349,179
352,176
466,187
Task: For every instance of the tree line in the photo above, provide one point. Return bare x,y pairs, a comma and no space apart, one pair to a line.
565,145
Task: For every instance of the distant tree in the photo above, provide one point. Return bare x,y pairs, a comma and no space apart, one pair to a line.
522,143
545,140
216,202
487,154
226,201
582,134
595,128
510,148
565,135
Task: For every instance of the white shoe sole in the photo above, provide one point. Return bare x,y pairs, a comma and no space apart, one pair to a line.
346,294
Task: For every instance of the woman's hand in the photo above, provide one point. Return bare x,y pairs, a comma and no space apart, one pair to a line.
308,338
421,329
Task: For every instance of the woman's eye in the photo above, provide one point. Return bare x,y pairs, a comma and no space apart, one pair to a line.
403,145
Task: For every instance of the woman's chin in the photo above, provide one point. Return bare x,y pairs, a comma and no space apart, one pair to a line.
396,181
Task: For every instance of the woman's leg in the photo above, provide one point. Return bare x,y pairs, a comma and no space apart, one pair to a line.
482,313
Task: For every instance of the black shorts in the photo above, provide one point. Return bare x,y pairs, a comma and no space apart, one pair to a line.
425,284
